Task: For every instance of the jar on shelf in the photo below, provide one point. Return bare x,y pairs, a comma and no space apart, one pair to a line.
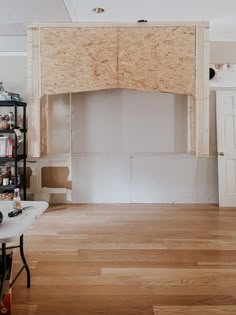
4,122
10,148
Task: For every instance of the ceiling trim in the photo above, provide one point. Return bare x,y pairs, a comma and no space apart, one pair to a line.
122,24
71,10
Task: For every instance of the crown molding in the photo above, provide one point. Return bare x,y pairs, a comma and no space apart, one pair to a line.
71,10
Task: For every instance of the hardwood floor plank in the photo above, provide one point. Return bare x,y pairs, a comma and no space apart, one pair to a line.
129,259
195,310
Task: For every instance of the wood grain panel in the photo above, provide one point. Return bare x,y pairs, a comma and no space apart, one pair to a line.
157,58
78,59
55,177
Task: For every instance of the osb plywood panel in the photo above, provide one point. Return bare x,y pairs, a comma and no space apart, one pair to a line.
77,59
157,58
55,177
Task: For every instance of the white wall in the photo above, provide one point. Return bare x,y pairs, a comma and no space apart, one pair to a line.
222,52
13,74
130,146
123,121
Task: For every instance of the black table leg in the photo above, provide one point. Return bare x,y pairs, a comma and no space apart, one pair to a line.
24,260
3,273
4,266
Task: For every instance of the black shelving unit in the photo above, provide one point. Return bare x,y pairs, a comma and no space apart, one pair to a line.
17,157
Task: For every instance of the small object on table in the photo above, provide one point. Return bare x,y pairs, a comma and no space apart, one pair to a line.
17,199
14,213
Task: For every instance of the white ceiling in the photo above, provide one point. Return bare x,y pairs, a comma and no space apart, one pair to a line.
154,10
16,14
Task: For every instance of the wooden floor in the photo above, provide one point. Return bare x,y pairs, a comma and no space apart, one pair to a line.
130,259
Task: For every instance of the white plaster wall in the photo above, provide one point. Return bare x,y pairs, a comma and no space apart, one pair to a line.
124,121
59,140
144,178
13,74
174,179
222,52
130,146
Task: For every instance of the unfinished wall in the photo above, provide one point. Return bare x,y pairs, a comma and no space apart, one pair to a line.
102,169
131,146
169,58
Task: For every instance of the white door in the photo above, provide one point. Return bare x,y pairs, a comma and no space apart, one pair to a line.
226,147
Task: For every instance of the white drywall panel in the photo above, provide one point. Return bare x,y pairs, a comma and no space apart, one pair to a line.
120,141
125,121
100,179
59,124
180,123
178,179
144,179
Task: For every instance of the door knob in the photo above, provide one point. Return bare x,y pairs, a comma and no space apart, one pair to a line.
221,153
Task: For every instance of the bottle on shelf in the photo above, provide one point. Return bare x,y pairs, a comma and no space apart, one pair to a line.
11,120
10,148
16,199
